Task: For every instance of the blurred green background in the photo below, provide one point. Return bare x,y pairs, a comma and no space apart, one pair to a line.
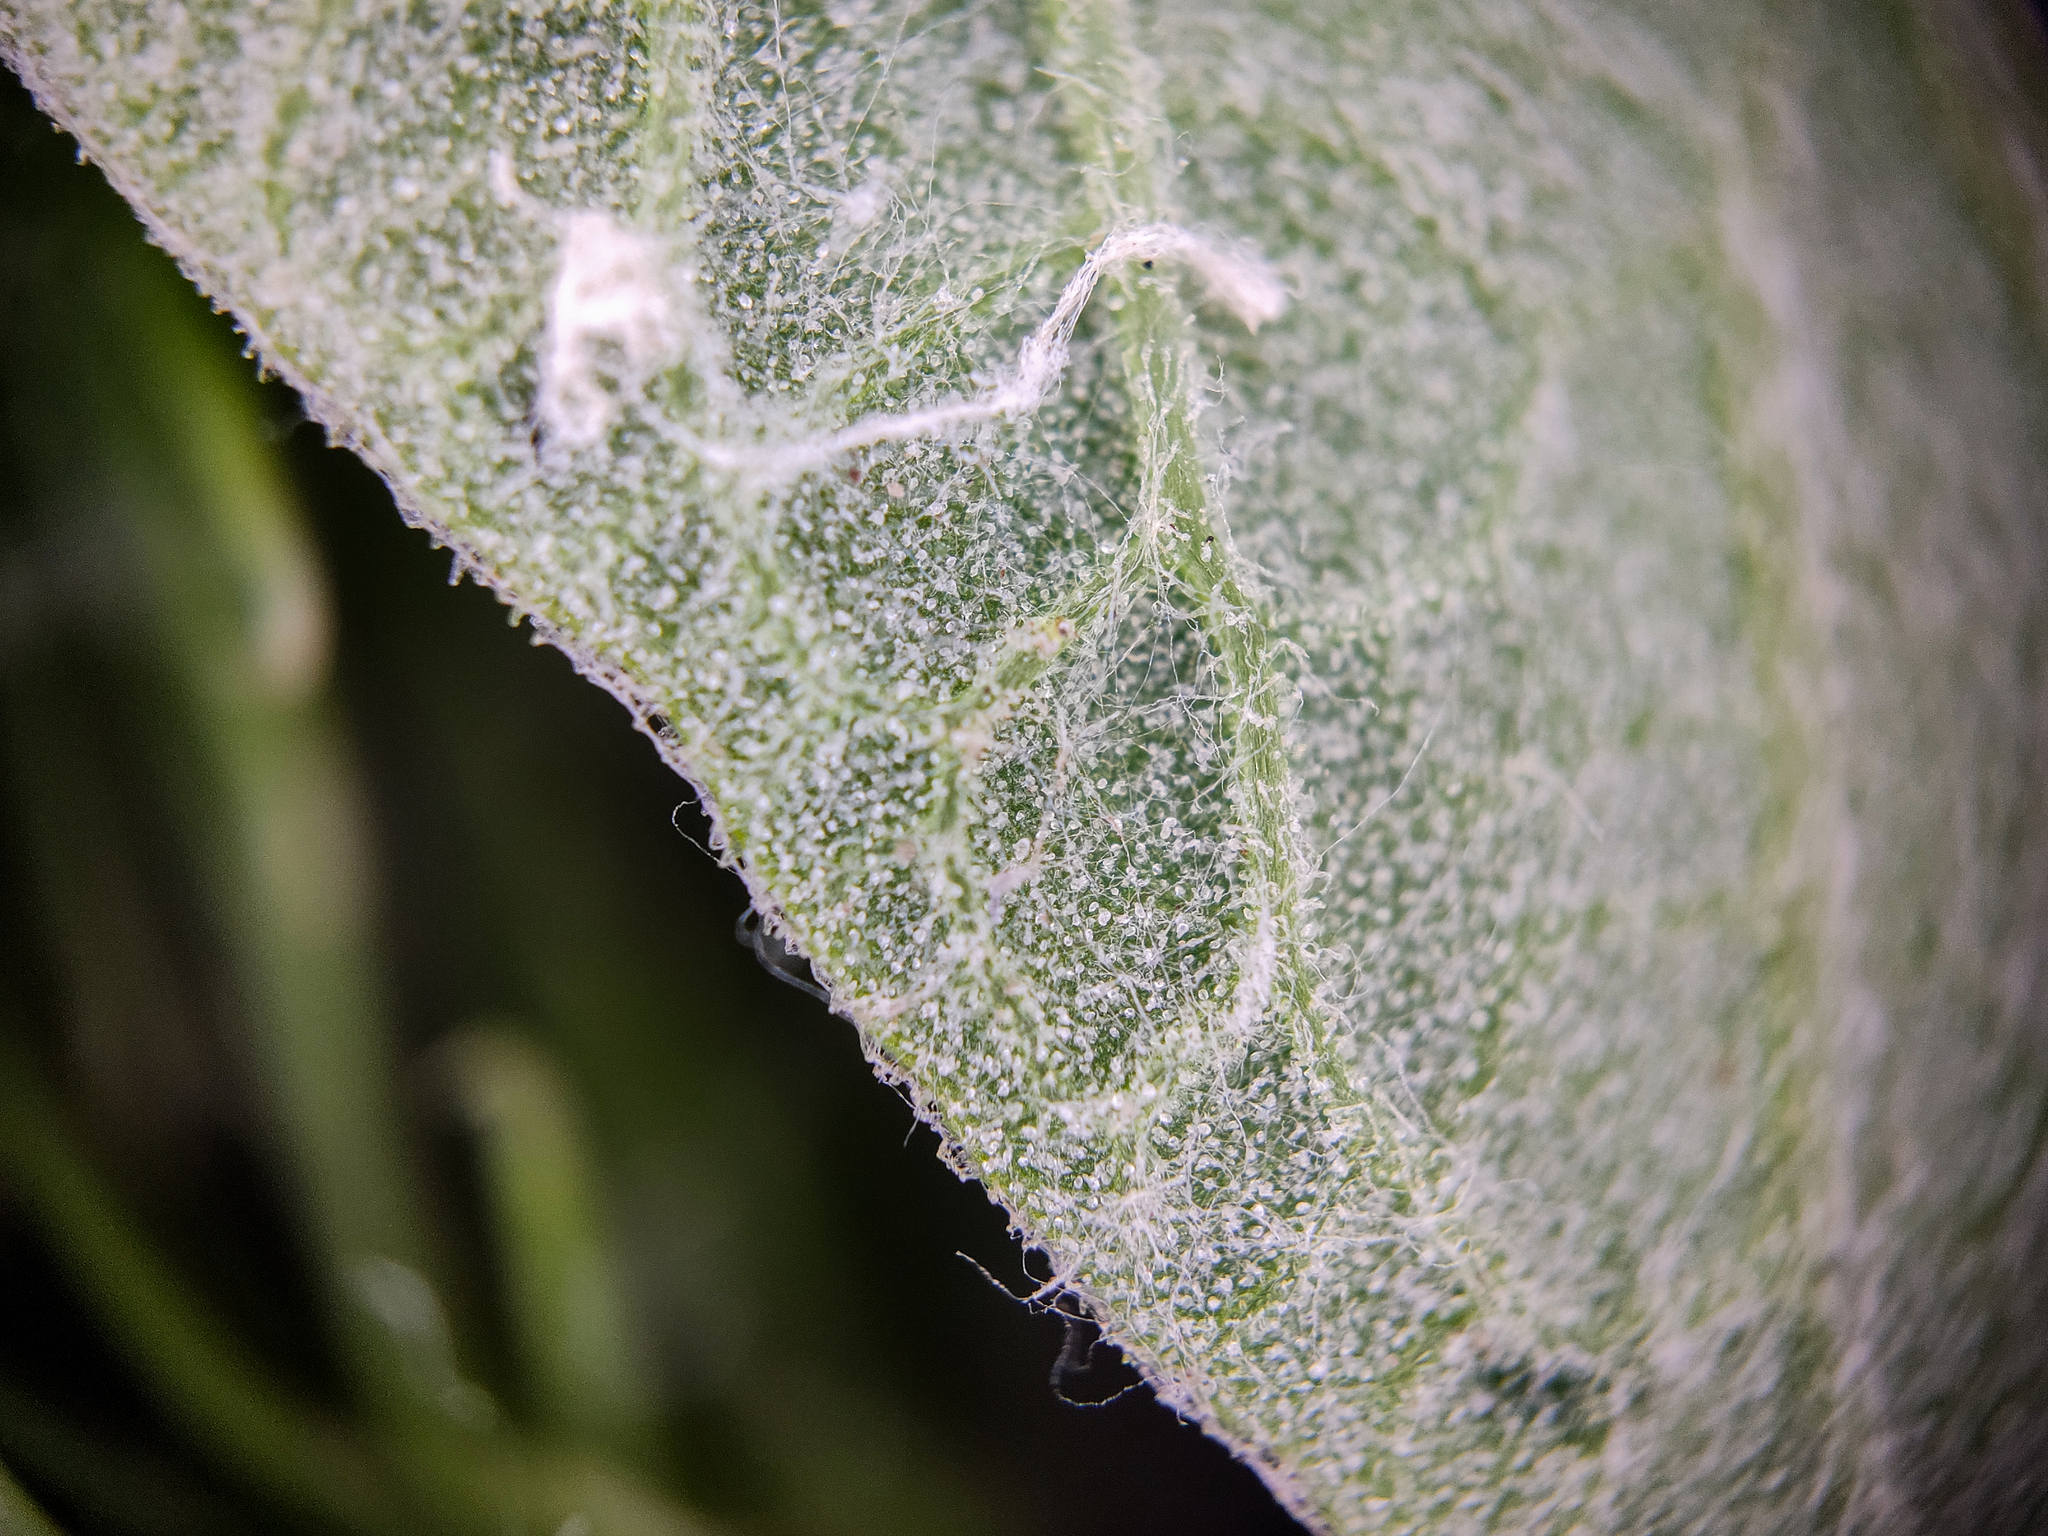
393,1134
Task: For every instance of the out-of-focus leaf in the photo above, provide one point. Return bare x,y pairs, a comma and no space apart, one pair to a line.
20,1515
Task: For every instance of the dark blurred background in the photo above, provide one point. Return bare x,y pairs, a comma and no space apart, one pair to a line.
393,1133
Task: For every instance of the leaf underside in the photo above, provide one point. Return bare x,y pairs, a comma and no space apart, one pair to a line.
1467,861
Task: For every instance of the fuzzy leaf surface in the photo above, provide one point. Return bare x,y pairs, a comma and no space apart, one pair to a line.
1465,854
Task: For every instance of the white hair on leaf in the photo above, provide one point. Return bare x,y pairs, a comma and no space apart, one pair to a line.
1247,288
613,321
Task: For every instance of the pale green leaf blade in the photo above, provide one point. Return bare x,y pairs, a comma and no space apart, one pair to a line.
1463,854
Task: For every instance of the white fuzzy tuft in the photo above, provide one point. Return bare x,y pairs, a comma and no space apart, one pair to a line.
611,323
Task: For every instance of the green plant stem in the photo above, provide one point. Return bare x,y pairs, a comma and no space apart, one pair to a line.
127,389
275,815
242,742
427,1480
294,886
561,1274
216,630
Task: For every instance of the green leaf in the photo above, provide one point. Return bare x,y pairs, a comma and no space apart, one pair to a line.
1390,652
20,1515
